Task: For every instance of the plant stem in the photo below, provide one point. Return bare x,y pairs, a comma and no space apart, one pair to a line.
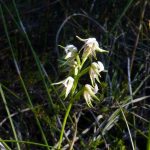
64,122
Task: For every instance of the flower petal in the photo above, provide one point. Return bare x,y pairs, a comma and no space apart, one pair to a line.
101,66
69,86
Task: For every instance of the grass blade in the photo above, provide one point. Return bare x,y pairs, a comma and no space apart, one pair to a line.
10,119
148,141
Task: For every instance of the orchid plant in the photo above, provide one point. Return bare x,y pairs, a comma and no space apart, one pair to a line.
75,61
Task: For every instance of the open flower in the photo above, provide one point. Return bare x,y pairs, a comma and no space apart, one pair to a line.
71,51
67,85
89,94
90,47
95,70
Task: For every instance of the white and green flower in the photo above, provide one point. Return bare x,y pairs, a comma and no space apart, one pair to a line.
89,94
71,52
90,47
67,85
94,71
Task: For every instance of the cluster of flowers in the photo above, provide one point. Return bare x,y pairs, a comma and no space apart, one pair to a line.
76,63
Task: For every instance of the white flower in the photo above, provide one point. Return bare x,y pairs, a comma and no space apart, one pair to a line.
95,70
67,84
90,47
71,51
89,93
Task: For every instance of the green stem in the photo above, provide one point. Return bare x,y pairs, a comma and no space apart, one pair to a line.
64,122
78,60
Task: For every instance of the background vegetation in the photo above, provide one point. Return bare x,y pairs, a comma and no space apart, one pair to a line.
31,109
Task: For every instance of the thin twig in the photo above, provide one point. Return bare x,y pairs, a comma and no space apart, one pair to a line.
75,133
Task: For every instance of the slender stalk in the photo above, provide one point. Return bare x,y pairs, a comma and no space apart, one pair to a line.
148,141
23,142
64,122
138,34
9,116
131,95
130,135
75,133
4,144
